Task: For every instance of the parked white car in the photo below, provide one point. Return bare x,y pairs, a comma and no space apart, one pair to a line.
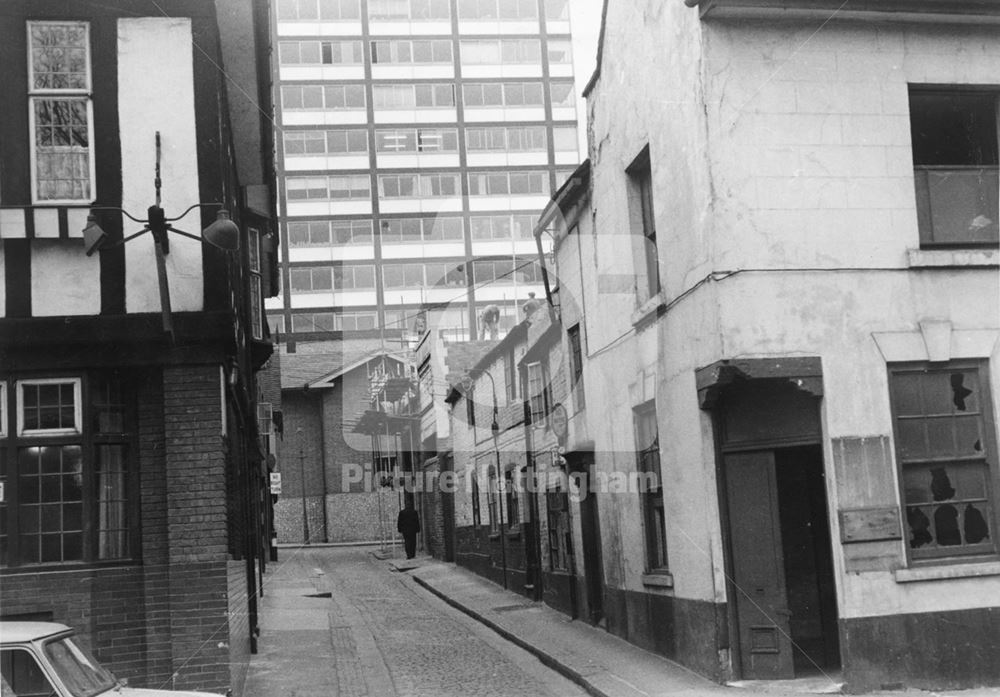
42,659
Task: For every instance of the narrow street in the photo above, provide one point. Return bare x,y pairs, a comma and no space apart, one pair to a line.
380,634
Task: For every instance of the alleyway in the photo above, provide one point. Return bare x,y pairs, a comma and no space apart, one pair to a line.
379,634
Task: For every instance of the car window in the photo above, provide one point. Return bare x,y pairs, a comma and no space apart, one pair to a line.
22,676
80,672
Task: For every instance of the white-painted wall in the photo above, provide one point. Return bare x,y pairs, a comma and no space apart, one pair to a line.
155,61
64,281
774,147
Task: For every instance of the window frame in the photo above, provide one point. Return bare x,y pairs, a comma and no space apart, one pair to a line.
643,218
3,411
91,439
921,171
574,336
657,559
255,298
992,469
77,428
38,94
511,498
477,515
538,404
493,500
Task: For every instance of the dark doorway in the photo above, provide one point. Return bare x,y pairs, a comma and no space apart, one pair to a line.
783,608
783,577
593,566
809,575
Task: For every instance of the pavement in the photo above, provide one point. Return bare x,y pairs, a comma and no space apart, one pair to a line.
378,632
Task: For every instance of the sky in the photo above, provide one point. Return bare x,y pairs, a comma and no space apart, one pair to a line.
585,24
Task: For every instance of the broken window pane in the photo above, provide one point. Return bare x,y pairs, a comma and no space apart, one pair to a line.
975,526
941,444
919,527
946,526
963,393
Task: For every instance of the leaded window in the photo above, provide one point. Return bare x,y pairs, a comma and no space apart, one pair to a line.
61,113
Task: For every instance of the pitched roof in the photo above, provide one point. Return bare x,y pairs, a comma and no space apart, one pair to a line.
314,361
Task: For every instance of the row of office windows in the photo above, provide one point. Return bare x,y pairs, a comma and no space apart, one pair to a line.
358,186
347,141
471,51
324,233
348,321
350,10
452,322
474,95
342,277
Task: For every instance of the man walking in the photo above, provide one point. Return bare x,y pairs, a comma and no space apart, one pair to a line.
408,523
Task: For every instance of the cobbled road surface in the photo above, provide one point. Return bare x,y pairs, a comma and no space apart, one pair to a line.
379,634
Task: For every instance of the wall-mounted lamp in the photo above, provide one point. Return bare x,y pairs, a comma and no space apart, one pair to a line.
222,234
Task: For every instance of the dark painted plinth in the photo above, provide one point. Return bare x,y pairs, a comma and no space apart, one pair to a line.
928,651
691,632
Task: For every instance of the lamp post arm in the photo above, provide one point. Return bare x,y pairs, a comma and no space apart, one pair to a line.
119,210
191,208
171,228
119,243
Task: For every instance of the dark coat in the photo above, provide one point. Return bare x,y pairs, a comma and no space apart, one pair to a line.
408,522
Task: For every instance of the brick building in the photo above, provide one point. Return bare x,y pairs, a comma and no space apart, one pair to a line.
326,389
134,504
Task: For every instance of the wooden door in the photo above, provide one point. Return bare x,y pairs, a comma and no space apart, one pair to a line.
758,570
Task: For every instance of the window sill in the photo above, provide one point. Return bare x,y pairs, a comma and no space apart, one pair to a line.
952,258
648,311
944,572
658,579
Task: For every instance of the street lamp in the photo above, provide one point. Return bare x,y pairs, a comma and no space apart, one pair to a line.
222,234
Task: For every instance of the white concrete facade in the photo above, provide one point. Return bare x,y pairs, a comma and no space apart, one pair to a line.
414,93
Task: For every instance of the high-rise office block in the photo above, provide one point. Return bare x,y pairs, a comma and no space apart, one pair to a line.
418,140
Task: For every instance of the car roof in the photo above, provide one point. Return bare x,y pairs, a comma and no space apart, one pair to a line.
12,632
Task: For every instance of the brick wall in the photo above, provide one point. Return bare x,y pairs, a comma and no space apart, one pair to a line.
159,622
196,527
153,482
239,626
303,450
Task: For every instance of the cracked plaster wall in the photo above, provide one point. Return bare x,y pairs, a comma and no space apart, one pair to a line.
773,146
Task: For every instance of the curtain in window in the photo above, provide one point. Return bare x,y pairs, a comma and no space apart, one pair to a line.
112,537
